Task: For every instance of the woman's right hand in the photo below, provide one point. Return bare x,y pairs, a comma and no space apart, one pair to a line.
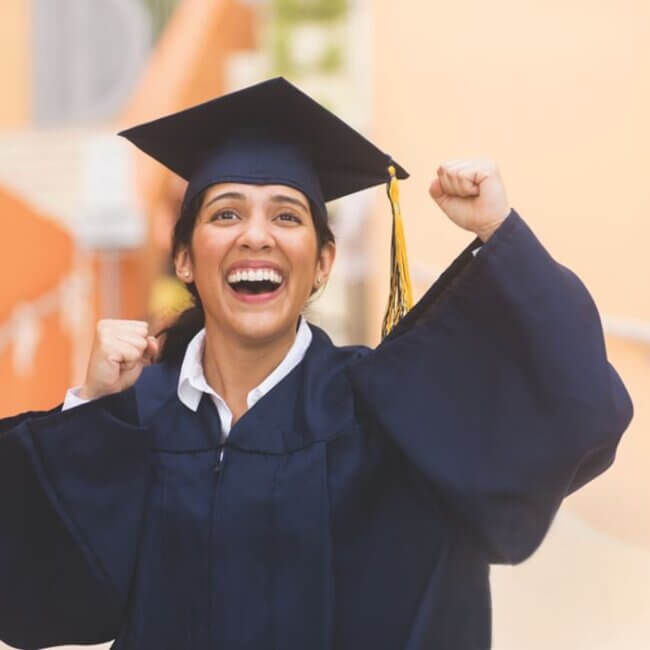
121,349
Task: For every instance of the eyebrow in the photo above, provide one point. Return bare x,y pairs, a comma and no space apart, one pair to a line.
226,195
277,198
282,198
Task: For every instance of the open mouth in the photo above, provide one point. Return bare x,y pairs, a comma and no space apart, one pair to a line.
255,282
254,288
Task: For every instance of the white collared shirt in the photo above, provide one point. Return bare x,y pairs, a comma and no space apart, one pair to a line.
192,383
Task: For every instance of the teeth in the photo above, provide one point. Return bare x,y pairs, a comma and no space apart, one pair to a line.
254,275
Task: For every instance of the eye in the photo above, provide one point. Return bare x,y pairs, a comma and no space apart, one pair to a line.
224,215
288,217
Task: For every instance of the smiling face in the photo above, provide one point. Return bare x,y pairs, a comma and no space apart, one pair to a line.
255,260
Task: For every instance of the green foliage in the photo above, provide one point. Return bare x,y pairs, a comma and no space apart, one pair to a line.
291,14
332,59
297,10
160,11
281,52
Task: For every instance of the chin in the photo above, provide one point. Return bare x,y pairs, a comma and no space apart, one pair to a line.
262,328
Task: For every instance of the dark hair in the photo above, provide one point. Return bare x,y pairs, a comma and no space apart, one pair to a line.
183,329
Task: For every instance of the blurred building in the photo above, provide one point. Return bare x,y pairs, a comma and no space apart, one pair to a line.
75,73
558,94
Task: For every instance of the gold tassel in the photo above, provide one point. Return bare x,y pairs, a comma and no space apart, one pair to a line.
400,298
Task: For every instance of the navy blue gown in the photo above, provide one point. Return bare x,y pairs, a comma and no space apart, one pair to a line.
358,504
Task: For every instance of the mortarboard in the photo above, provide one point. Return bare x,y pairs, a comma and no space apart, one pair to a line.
273,133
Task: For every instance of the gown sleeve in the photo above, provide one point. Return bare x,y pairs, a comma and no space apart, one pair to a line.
72,492
497,389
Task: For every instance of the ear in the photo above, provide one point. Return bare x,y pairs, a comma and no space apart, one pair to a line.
183,265
324,263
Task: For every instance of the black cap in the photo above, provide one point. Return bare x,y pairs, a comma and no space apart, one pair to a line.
269,133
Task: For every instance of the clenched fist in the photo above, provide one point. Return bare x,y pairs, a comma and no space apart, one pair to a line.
471,193
121,349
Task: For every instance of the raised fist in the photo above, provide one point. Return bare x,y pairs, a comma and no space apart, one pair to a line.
121,349
471,193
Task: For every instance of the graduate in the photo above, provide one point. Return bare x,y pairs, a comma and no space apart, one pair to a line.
258,487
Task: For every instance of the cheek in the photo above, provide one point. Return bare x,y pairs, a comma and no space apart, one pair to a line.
304,261
208,251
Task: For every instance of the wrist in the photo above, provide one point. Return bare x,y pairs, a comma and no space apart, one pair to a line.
487,230
87,393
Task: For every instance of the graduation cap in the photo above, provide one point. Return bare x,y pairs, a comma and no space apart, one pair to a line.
273,133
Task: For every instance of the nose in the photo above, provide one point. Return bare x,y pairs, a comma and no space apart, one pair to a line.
256,234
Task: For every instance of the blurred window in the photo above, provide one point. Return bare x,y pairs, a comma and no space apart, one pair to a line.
88,55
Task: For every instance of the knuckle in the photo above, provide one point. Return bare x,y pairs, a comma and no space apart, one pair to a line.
130,355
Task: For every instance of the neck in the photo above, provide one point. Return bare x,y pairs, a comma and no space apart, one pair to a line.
234,367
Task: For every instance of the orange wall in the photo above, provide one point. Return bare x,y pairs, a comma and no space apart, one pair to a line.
558,94
38,258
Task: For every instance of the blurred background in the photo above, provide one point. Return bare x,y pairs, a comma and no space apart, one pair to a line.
558,93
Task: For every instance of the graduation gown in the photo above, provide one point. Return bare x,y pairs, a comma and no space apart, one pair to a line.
358,504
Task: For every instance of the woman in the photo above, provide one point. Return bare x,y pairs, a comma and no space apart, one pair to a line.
317,497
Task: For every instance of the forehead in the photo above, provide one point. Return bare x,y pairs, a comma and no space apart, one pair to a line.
251,192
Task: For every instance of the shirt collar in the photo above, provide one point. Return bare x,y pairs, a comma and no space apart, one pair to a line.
192,382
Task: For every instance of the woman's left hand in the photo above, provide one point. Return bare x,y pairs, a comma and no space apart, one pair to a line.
471,193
